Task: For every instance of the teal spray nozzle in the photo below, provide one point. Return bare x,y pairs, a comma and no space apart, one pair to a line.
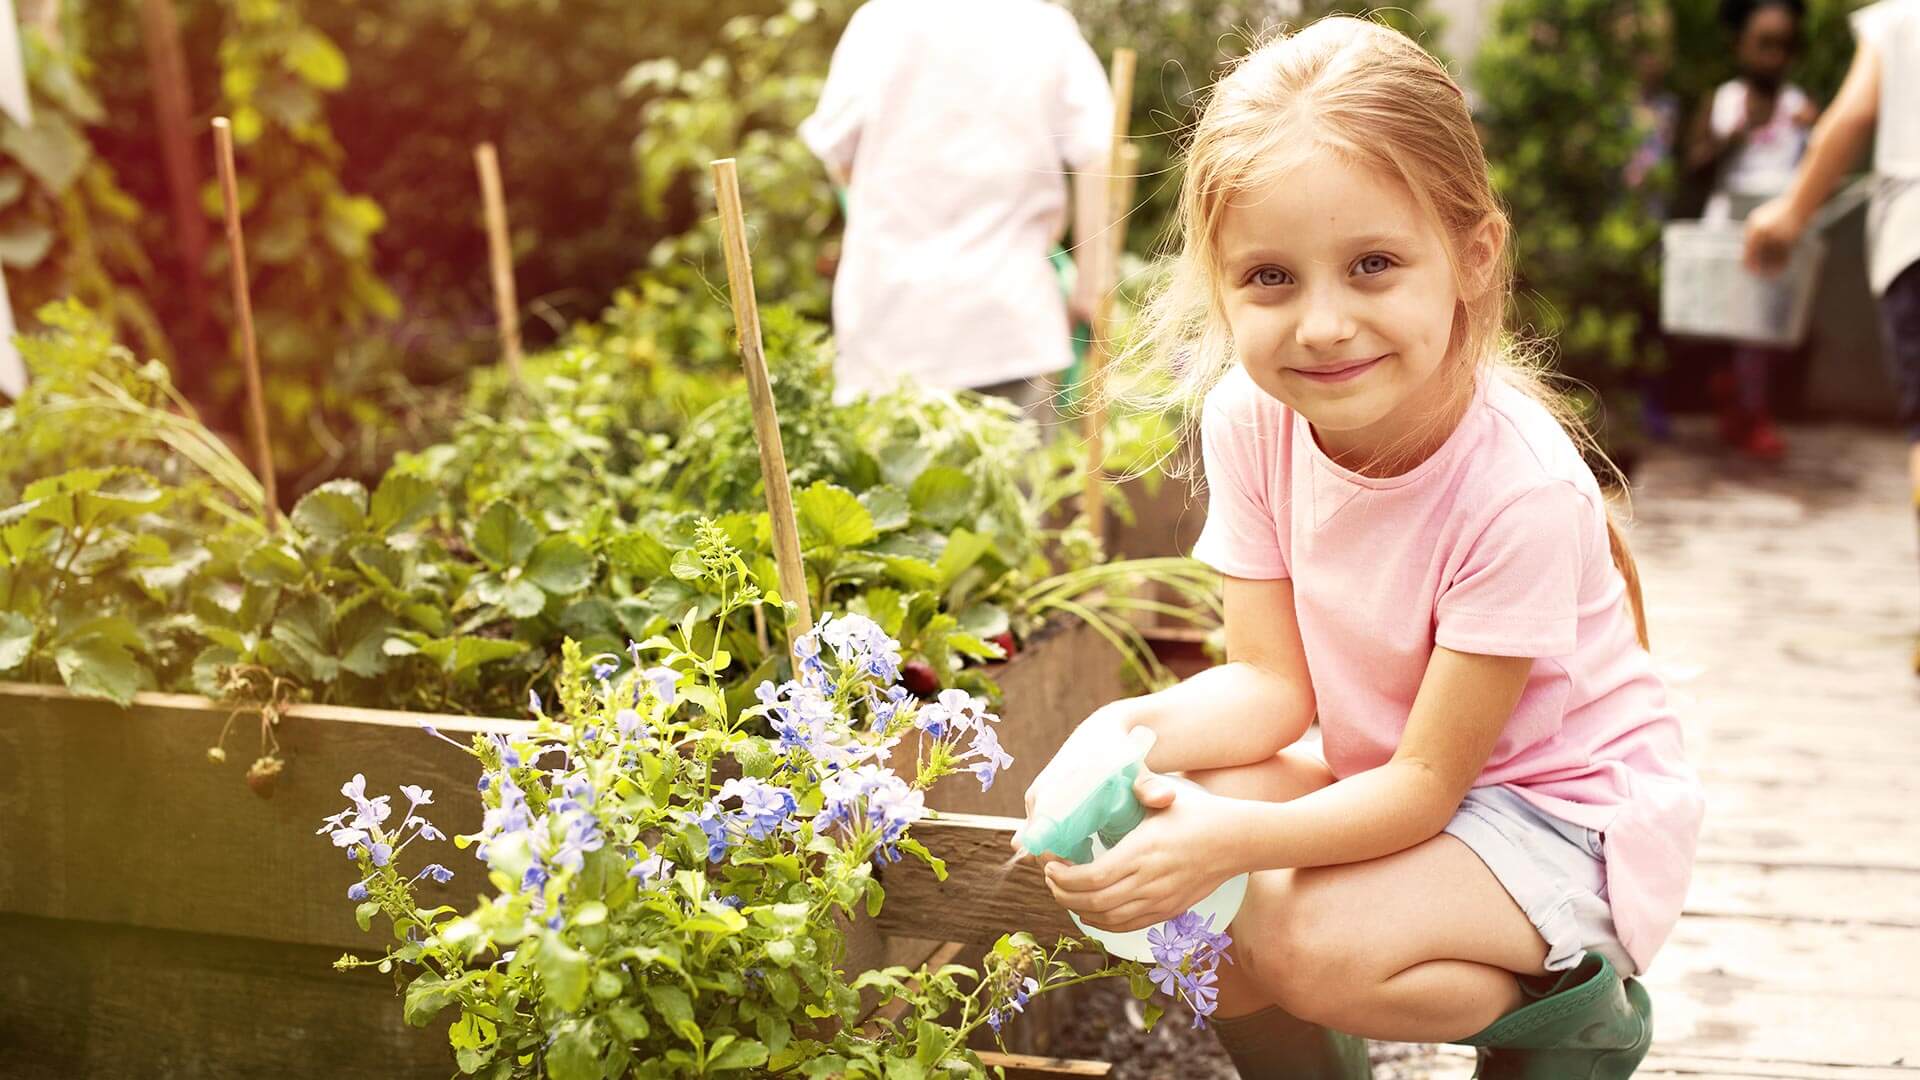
1095,802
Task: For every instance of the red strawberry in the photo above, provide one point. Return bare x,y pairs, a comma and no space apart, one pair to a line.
1006,643
918,677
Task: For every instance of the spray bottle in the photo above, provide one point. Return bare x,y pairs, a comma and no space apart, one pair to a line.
1088,810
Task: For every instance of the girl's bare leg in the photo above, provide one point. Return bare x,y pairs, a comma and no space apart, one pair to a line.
1418,946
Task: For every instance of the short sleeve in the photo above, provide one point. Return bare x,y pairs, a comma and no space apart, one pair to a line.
832,132
1083,121
1870,23
1242,535
1516,591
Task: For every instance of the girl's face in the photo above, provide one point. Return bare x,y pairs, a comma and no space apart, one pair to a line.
1341,301
1767,43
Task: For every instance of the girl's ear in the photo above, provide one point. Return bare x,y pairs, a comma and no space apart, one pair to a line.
1481,255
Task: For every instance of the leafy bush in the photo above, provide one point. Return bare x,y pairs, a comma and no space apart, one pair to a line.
451,583
67,228
1557,82
673,892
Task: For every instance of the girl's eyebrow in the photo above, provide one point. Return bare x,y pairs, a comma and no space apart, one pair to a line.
1355,244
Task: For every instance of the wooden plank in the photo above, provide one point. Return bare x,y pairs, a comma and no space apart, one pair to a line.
1456,1063
116,816
110,1002
1027,1067
1805,893
982,898
1750,990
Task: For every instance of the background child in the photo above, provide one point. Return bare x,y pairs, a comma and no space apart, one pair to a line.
1503,824
1748,138
1879,103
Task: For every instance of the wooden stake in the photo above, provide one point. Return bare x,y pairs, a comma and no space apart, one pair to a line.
243,307
172,108
506,303
1119,195
766,424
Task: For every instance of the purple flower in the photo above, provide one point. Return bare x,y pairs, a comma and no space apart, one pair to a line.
627,721
381,854
713,822
439,873
533,702
871,797
665,682
1187,955
357,891
605,669
986,747
766,808
651,870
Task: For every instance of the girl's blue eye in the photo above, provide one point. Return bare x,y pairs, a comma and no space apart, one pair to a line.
1270,277
1374,264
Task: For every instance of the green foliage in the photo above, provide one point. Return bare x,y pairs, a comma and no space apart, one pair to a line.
89,579
317,296
641,924
745,100
1557,82
451,583
66,226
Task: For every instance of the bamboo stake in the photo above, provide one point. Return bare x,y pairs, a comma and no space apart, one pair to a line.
1119,195
766,425
243,307
506,303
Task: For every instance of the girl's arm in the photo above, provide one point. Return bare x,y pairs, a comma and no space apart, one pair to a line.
1250,708
1197,839
1247,710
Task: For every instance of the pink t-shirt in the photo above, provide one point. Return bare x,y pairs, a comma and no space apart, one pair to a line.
1496,544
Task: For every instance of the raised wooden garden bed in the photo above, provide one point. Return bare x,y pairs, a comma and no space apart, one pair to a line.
158,918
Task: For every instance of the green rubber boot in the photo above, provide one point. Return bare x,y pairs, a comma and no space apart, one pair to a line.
1583,1024
1275,1045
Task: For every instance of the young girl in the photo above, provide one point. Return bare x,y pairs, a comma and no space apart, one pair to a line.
1747,140
1503,825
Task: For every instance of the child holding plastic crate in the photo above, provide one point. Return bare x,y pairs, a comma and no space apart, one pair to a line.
1878,104
1500,828
1749,137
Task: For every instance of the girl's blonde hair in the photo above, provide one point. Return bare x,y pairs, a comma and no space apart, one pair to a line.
1365,91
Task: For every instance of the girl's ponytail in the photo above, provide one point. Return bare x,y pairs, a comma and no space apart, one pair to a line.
1623,559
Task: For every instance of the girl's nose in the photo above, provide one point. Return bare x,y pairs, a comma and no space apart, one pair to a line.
1324,321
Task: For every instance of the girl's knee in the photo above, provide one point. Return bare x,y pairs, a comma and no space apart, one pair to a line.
1286,950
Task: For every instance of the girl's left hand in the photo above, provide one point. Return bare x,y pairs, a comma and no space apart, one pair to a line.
1167,864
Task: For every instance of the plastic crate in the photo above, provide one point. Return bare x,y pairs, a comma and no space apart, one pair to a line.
1706,292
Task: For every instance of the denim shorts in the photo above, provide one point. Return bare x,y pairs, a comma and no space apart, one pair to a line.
1900,334
1555,870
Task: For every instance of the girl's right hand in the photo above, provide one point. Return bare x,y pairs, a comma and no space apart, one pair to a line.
1108,722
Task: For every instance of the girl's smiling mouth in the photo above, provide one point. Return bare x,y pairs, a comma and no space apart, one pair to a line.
1340,372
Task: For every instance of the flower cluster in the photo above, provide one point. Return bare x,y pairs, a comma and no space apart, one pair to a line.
764,809
1187,955
360,829
847,664
607,819
871,798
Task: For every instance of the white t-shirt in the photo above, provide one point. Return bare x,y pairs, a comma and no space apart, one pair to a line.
1892,27
1762,165
957,120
